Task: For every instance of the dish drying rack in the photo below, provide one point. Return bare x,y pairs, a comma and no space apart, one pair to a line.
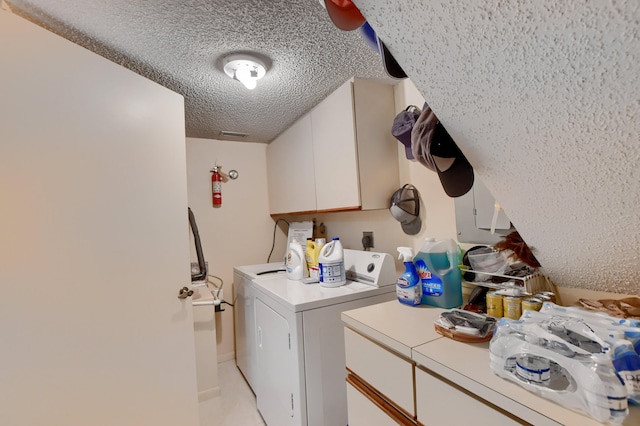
529,284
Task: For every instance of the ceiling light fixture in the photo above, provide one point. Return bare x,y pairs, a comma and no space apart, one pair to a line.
245,68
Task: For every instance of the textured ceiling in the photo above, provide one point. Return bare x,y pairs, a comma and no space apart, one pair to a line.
179,45
543,97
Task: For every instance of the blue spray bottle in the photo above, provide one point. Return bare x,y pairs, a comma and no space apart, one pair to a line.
408,286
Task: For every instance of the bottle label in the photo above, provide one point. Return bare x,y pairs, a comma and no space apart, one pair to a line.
431,284
408,294
332,272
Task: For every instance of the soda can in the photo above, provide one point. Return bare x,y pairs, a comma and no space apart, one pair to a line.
512,307
494,304
532,304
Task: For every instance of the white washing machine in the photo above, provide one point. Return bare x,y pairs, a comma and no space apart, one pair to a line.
289,337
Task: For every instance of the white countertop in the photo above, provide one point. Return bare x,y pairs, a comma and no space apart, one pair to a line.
409,331
397,326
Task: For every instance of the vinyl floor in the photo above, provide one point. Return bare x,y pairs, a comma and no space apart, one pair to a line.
236,406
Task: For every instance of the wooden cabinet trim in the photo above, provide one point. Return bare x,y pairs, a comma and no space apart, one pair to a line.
368,391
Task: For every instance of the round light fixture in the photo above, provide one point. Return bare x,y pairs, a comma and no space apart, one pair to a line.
245,68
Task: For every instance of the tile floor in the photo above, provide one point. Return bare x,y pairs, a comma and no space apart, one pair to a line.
236,406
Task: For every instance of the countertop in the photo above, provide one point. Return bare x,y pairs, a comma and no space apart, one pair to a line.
409,331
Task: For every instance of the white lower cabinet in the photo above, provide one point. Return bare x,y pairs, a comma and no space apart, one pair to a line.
384,388
439,403
386,373
367,410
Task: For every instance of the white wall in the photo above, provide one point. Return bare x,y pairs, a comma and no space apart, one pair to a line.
238,233
542,97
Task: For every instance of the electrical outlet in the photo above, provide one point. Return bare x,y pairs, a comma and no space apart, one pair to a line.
367,240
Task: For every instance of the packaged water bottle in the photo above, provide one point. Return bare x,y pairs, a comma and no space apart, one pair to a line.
437,266
331,264
408,286
606,399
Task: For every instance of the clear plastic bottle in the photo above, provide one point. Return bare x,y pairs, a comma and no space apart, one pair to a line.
609,396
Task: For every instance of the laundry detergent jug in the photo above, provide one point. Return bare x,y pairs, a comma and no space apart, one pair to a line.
331,264
437,266
295,262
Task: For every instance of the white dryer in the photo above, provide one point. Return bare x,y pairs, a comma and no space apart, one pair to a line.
289,337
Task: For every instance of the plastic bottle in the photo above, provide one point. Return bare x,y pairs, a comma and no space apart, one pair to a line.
437,266
320,242
331,264
296,264
408,286
311,258
607,398
314,271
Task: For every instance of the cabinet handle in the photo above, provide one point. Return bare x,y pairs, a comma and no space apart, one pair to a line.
259,337
390,410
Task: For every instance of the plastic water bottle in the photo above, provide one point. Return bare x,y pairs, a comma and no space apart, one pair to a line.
607,398
331,264
439,259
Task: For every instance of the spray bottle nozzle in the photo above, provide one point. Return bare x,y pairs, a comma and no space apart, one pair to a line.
405,253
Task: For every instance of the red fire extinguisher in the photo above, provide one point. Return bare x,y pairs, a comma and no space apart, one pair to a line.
216,186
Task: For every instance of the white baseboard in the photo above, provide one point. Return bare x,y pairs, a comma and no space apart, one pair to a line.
226,357
209,394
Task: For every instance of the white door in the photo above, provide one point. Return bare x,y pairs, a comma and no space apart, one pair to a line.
276,367
94,240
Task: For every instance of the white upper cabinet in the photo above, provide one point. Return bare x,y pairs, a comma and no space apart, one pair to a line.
340,156
290,174
335,155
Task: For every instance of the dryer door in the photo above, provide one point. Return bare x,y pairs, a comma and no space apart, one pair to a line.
276,366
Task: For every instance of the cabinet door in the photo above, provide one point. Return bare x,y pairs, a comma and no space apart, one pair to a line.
290,170
377,148
276,366
366,409
245,328
439,403
334,151
395,380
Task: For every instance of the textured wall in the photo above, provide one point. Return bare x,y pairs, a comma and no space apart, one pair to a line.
543,98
